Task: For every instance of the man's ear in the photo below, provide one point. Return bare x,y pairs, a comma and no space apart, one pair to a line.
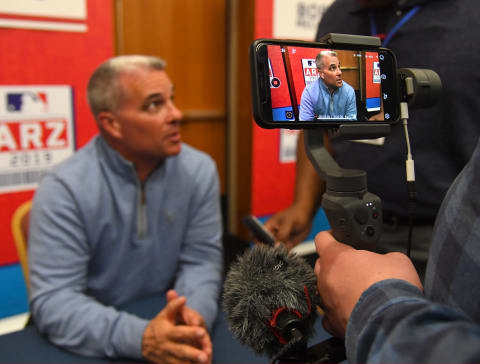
109,124
321,74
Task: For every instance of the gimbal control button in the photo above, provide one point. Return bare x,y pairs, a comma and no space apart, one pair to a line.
361,215
370,231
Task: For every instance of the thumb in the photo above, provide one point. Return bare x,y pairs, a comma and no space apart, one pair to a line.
326,244
171,295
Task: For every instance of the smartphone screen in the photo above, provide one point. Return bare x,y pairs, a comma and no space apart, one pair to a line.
301,84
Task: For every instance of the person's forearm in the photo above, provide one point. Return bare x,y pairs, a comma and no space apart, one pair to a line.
200,269
393,322
201,286
86,327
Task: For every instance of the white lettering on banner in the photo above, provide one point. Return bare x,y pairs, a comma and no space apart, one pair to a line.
32,135
297,19
55,140
6,138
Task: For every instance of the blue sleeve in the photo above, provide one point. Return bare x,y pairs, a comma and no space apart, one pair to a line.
393,323
59,256
351,105
201,258
307,105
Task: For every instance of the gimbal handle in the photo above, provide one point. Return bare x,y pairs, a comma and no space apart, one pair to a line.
354,214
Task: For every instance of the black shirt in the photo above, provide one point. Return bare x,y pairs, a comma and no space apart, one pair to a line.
444,36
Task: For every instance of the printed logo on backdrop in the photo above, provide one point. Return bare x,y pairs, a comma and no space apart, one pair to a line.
376,72
297,19
310,71
36,133
27,102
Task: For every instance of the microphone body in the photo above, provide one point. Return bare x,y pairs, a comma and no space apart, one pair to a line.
270,299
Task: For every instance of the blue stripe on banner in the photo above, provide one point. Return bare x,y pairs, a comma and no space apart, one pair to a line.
373,104
13,291
283,114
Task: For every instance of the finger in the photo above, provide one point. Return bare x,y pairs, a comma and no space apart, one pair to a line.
186,352
330,327
284,230
207,346
187,334
317,267
277,244
327,325
271,225
296,238
192,317
174,308
171,295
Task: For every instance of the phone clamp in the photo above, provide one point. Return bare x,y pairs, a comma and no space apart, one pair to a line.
350,39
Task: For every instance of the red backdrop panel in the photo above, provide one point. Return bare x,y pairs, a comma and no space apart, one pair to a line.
33,57
272,181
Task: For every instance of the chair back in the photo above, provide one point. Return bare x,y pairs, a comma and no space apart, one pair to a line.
20,223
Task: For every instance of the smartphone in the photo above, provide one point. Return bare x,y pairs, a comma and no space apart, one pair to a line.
258,230
297,84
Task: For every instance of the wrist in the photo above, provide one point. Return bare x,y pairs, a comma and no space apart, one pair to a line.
306,208
148,340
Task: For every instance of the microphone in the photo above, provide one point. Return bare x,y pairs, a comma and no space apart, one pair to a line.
270,298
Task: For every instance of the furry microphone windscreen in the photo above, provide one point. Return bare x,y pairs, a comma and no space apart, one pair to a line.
260,283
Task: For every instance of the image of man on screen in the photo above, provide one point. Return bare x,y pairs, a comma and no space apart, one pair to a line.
330,97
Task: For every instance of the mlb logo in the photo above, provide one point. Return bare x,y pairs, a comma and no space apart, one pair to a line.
28,102
310,71
376,72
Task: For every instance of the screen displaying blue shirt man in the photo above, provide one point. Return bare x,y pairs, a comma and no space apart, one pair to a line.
330,97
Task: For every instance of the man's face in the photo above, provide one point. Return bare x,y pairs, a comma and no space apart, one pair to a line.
148,118
330,72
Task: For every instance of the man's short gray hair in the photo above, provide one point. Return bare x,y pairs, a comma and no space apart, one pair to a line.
104,93
319,57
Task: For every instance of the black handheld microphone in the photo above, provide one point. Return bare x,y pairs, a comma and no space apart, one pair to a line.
270,299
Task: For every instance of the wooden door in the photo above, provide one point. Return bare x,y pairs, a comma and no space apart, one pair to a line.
191,36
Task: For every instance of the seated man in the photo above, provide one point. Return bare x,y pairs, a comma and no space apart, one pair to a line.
329,97
132,214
